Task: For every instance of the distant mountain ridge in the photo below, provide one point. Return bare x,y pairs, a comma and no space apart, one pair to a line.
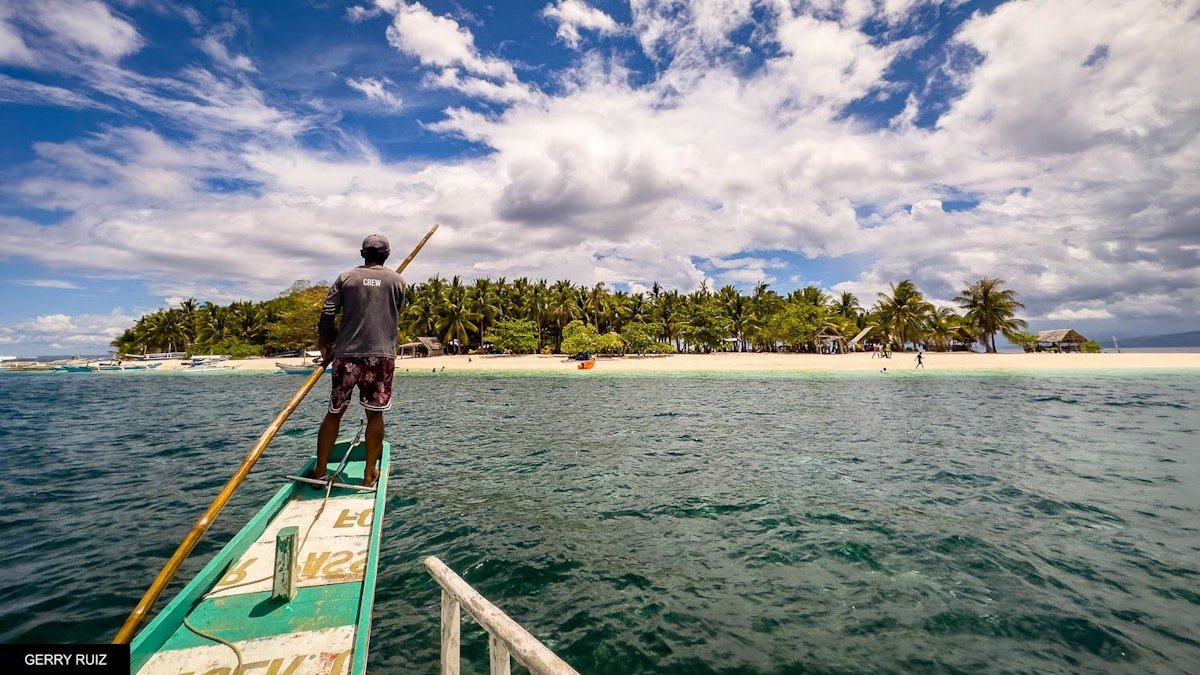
1188,339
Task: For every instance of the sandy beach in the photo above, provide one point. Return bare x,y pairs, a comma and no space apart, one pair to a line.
777,363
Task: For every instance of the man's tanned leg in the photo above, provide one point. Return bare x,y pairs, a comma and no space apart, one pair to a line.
326,437
374,446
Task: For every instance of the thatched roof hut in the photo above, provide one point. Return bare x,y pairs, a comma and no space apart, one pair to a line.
829,340
1063,340
423,346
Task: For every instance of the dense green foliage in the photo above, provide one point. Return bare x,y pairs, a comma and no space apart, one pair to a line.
516,336
1026,341
526,316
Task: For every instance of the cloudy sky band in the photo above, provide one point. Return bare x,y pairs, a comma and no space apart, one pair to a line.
848,144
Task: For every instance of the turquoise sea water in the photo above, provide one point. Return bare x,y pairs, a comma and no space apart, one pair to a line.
715,524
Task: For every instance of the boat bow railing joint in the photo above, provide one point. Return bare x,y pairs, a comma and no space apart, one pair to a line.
506,638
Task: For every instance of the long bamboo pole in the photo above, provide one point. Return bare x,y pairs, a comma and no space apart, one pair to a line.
189,542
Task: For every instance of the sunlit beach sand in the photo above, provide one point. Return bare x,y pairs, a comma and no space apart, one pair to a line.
780,363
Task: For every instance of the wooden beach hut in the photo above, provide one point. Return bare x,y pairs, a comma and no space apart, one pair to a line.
1061,340
423,346
829,341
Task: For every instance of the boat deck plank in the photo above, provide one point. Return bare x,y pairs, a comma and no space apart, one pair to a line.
316,632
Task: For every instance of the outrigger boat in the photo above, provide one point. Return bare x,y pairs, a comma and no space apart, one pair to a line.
292,592
117,366
300,368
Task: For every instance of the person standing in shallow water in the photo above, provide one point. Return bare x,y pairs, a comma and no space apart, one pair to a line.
369,298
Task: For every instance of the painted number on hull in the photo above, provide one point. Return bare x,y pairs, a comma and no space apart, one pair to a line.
324,564
350,518
332,564
237,573
326,663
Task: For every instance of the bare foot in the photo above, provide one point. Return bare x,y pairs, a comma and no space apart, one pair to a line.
312,473
372,475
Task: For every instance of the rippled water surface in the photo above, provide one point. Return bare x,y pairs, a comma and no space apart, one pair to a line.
691,524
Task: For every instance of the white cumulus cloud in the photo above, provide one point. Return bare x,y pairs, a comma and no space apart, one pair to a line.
574,15
375,90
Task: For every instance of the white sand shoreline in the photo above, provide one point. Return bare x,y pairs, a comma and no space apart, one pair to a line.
771,363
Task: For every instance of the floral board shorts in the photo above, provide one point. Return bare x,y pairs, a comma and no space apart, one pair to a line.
371,374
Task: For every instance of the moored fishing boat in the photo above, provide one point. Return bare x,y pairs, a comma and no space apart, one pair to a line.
208,364
292,592
298,368
117,366
26,367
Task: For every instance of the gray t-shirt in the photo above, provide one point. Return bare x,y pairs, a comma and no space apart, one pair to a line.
369,299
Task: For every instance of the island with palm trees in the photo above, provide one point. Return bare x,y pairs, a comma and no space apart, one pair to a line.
545,321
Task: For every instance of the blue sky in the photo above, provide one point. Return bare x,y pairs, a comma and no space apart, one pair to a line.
154,150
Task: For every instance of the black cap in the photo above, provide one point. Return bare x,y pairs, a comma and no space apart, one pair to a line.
376,245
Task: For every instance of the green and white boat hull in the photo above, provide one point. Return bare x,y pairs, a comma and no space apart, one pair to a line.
324,629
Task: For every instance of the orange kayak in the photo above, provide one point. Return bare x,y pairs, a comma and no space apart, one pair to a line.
587,365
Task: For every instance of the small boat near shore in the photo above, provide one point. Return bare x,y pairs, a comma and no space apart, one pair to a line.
13,366
291,592
118,366
208,364
298,368
157,356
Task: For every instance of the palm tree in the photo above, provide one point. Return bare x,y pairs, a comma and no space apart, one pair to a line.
846,305
188,309
594,302
456,320
249,322
765,306
617,310
420,315
944,326
485,304
669,313
904,314
563,308
211,324
990,310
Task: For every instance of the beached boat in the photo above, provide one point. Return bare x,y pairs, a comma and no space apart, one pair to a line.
298,368
12,366
587,365
292,592
208,364
158,356
117,366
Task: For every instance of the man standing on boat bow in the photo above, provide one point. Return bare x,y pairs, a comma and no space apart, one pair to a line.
363,350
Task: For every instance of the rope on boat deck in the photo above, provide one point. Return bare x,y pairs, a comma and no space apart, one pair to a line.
237,652
303,540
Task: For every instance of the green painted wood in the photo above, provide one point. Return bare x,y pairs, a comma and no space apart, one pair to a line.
152,637
363,638
255,614
283,586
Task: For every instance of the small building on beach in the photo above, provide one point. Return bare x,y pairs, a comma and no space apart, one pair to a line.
829,341
1060,340
423,346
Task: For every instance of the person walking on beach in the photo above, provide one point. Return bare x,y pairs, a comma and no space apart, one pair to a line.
920,360
363,351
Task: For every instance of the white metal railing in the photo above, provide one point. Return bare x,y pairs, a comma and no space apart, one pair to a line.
505,637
